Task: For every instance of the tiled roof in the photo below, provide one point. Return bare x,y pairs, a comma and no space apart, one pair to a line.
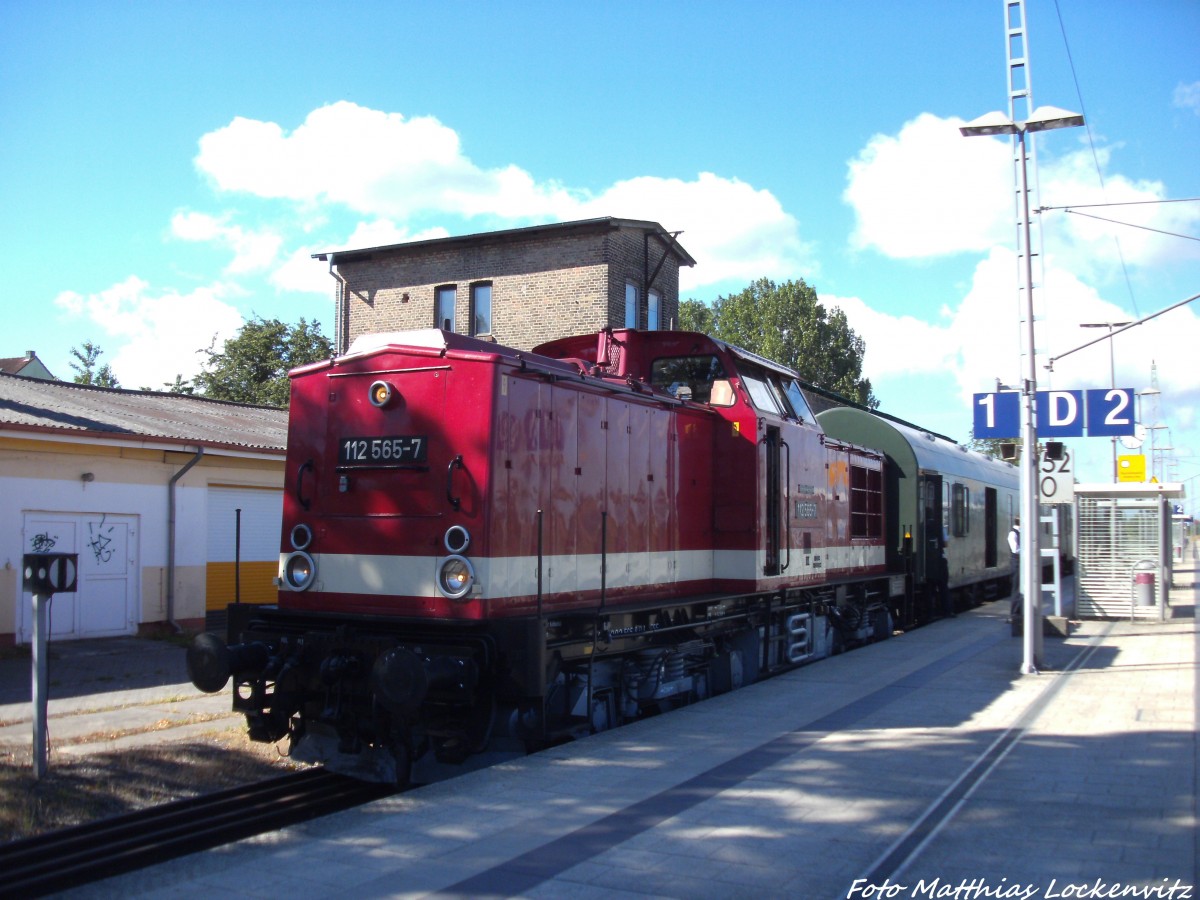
31,404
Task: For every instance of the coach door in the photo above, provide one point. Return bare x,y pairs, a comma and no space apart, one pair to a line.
931,526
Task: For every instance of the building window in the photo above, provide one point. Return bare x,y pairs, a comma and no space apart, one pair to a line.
654,304
631,305
443,307
481,308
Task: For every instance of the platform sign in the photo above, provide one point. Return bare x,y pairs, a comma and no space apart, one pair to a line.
1107,412
997,415
1056,478
1060,414
1110,412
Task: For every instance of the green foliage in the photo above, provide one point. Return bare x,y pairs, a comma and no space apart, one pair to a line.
179,386
252,367
786,323
86,356
696,316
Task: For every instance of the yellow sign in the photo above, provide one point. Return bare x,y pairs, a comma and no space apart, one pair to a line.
1131,468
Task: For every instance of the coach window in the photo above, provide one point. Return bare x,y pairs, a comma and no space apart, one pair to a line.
481,308
443,307
653,305
631,305
962,505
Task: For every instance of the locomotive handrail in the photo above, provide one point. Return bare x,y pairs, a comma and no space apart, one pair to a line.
308,464
457,462
409,371
787,508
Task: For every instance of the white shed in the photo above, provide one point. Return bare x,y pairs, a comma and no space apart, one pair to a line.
143,486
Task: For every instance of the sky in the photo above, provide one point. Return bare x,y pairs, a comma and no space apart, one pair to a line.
168,169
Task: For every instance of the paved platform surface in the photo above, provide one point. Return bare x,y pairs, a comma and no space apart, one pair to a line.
923,766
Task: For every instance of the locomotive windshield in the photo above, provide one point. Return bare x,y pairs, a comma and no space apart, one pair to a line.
687,377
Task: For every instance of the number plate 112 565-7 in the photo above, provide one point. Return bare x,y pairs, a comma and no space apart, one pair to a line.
382,451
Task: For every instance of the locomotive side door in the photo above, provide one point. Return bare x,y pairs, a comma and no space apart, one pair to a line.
774,503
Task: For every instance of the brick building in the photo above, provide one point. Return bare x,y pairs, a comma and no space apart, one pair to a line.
519,287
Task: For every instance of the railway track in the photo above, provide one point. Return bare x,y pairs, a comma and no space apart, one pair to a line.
85,853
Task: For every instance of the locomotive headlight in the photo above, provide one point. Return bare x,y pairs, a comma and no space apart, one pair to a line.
301,537
457,539
455,577
299,571
381,394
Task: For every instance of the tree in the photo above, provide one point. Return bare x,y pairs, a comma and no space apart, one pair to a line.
788,324
253,366
87,355
696,316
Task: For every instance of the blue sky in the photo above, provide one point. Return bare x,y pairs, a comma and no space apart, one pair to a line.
168,168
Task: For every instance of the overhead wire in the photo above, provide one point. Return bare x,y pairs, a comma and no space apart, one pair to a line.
1092,144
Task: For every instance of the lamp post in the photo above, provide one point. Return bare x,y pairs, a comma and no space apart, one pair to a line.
1112,369
1044,118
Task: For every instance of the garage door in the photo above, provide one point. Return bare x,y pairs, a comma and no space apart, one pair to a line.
261,515
108,592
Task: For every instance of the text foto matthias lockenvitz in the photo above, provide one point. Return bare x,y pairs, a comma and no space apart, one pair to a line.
1003,889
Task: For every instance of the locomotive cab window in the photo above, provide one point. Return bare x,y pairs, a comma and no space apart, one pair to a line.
764,390
799,406
688,377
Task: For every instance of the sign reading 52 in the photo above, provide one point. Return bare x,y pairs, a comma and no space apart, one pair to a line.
1056,482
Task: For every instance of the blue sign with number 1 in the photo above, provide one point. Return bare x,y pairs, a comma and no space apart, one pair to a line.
997,415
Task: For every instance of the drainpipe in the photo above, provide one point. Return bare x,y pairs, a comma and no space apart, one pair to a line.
339,308
171,538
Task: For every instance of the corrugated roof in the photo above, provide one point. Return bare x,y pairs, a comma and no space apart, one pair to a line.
32,404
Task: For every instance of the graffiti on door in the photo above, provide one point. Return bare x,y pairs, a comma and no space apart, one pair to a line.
100,540
43,543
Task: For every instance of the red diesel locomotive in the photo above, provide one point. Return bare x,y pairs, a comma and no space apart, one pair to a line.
482,544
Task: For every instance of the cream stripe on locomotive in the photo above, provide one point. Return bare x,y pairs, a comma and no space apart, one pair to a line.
415,576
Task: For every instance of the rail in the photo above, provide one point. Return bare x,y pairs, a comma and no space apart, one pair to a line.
65,859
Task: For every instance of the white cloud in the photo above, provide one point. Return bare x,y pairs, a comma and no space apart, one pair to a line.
373,162
301,273
732,229
1187,96
158,335
890,340
396,168
928,191
253,251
